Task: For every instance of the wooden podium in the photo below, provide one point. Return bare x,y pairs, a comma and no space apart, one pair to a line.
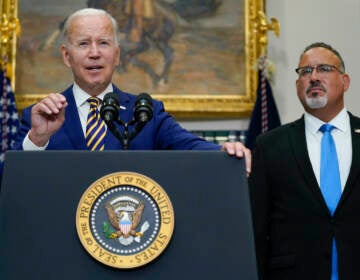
213,237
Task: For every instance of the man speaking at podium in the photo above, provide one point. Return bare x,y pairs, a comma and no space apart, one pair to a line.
70,120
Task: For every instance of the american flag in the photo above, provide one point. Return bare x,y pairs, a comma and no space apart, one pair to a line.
265,115
8,116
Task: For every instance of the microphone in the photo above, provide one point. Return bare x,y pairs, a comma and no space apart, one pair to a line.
143,111
109,110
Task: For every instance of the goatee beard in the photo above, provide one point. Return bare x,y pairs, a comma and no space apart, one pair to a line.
316,102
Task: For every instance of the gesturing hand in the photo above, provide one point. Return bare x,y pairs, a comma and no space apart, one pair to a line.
47,116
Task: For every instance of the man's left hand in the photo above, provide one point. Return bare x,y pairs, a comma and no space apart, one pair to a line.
239,150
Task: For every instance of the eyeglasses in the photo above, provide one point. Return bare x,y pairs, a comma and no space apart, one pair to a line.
321,69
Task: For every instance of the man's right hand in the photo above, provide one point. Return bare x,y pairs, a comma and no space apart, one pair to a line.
47,116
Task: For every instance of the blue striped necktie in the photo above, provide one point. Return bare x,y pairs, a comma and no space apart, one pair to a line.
330,183
95,127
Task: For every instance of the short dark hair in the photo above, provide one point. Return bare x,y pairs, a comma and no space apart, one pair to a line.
328,47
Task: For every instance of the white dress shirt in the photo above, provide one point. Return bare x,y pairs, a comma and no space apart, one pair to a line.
342,138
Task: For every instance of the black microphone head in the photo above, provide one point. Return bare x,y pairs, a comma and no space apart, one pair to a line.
110,106
144,96
143,111
111,97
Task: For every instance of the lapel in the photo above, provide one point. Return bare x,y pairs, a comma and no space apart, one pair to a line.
301,155
125,102
72,125
355,163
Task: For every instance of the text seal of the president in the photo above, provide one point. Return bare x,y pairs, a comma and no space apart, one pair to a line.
125,220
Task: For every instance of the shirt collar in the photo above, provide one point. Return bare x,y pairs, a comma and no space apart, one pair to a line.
340,121
81,96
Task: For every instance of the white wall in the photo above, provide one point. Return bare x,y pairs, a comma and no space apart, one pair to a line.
303,22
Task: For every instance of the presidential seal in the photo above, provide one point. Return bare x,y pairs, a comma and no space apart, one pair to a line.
125,220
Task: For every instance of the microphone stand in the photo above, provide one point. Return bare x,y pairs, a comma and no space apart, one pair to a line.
142,114
126,137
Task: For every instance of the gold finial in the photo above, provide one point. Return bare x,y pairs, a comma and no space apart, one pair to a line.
262,26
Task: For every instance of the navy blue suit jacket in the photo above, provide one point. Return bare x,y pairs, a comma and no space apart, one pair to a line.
162,132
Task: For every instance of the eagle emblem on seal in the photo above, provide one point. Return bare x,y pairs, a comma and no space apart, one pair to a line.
124,215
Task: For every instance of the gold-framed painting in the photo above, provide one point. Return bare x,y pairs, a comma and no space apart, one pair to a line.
202,67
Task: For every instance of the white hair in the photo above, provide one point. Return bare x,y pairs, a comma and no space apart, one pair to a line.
89,12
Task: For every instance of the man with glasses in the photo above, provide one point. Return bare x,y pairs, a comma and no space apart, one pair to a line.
305,187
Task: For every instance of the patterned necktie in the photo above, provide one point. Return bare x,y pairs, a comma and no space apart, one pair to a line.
330,183
95,127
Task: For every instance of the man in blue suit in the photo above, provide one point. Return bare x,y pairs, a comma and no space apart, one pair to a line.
91,51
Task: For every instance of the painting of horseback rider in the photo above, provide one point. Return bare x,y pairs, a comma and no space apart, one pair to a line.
172,47
138,10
